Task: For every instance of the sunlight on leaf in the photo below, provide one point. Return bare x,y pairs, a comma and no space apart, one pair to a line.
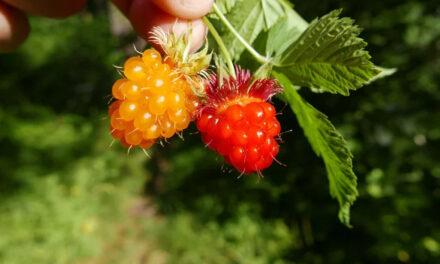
327,143
329,56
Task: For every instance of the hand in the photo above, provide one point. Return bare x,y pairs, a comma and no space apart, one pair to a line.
143,14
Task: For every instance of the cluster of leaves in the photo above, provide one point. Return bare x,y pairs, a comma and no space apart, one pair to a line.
327,56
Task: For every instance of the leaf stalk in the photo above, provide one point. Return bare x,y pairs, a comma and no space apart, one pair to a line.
221,45
260,58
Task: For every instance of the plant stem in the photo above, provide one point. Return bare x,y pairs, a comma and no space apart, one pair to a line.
221,45
260,58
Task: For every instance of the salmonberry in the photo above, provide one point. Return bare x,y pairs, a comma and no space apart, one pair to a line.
159,97
151,103
238,122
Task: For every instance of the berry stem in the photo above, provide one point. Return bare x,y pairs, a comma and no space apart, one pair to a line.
260,58
221,45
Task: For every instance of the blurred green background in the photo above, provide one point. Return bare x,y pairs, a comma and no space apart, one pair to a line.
66,197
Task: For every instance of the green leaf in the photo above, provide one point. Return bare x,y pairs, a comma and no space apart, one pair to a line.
384,72
225,5
249,18
327,143
299,22
329,55
281,36
272,11
287,30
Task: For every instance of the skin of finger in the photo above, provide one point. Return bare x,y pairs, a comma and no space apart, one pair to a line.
144,15
14,28
189,9
48,8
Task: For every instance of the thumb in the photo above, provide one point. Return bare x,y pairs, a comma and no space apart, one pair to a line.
144,15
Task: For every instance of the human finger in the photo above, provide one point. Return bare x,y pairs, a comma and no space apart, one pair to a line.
144,15
48,8
189,9
14,27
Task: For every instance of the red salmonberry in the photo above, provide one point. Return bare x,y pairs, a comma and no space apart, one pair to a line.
238,122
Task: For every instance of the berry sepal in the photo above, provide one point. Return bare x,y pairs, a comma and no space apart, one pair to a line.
178,54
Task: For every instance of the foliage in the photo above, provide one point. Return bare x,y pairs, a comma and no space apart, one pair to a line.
327,55
328,144
250,18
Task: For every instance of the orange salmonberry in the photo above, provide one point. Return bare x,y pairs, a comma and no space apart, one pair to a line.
152,101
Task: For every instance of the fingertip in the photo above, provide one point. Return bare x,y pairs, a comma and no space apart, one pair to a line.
14,28
199,32
188,9
141,16
144,16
